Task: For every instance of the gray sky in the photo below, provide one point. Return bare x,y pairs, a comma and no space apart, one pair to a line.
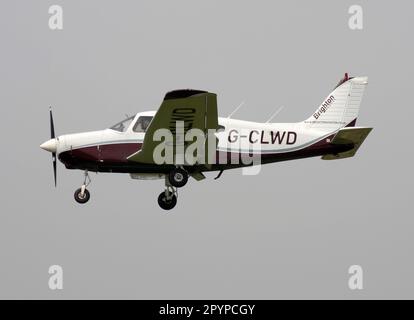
290,232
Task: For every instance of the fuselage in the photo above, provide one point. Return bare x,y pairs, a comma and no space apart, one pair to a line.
107,150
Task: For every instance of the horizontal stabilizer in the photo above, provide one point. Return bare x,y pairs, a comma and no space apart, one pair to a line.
352,136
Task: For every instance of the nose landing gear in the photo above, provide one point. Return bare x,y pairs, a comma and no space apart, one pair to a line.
82,195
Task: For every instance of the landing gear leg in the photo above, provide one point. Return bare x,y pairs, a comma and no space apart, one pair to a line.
82,195
168,198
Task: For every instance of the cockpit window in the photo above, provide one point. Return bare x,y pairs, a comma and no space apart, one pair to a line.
142,124
123,125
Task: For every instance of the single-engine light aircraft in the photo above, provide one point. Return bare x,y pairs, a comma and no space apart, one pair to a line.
185,138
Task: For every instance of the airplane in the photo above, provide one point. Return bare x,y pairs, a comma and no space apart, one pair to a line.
130,145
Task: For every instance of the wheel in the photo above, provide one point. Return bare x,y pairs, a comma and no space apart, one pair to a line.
167,204
178,177
82,198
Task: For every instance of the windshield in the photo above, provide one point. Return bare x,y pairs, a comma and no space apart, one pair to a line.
123,125
142,124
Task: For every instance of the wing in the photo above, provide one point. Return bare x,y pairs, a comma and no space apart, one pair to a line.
196,109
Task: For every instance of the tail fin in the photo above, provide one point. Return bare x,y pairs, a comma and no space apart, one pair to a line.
340,109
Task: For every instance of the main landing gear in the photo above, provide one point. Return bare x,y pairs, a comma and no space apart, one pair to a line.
82,195
167,199
177,178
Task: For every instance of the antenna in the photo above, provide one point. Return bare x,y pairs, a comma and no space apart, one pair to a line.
234,111
274,114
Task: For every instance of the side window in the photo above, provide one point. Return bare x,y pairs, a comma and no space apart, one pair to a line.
142,124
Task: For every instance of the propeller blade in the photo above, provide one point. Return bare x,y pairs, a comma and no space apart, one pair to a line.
54,166
52,127
52,136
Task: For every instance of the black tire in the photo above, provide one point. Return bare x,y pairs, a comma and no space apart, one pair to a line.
178,177
79,198
167,204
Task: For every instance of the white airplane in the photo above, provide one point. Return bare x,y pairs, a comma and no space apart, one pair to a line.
130,145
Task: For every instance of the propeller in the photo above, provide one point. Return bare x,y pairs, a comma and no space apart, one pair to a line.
52,136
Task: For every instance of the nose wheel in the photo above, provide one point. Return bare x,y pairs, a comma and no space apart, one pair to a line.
82,194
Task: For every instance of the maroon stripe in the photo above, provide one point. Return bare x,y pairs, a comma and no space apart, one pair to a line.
113,157
352,123
100,154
